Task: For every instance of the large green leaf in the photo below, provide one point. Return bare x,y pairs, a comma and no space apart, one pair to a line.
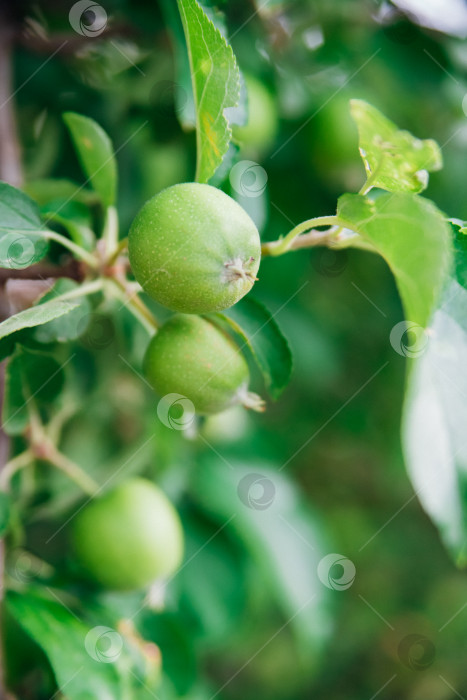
216,86
435,420
36,316
394,160
65,639
95,153
413,237
282,536
15,327
260,332
22,240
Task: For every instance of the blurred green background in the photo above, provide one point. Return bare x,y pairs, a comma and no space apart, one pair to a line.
241,619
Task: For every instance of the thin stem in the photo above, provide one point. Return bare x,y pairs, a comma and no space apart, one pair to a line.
72,470
14,465
59,419
283,245
110,234
136,306
81,291
123,244
77,250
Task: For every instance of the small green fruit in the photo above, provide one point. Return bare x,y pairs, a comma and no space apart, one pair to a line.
194,249
193,357
129,537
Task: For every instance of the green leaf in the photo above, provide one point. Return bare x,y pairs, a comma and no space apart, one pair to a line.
434,422
5,510
30,376
22,241
411,234
65,639
17,210
96,155
460,248
36,316
68,326
394,160
216,86
260,332
48,190
281,534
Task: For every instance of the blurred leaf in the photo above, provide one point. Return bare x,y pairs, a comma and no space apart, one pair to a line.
95,153
63,637
171,634
47,190
22,241
394,160
74,218
411,234
282,536
4,513
212,604
216,86
183,96
17,211
435,419
69,326
262,335
29,375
